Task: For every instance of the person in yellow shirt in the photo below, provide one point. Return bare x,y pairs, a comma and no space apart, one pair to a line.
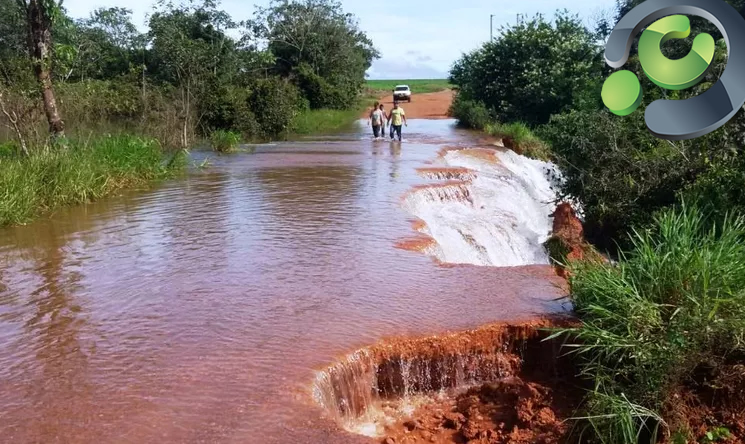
396,118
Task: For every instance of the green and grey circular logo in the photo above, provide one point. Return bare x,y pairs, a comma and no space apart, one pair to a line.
665,20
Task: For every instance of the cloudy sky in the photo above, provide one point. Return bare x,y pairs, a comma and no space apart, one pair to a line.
416,38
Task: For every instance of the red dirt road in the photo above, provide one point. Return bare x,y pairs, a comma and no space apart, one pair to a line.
423,106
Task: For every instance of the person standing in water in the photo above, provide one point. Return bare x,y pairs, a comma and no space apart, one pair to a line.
383,120
376,120
396,118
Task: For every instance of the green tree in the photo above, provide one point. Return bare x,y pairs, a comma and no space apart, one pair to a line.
106,45
532,70
318,46
40,16
274,103
192,51
622,175
14,48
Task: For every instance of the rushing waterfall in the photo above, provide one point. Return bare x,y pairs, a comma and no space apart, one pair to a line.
498,213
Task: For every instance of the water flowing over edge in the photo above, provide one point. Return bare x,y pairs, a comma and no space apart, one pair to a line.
486,206
491,207
370,389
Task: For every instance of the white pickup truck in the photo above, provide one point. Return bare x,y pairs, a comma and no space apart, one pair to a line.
402,92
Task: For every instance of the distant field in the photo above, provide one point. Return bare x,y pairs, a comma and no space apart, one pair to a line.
417,86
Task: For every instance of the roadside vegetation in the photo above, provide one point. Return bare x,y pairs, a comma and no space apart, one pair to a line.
663,335
194,75
79,172
663,330
330,120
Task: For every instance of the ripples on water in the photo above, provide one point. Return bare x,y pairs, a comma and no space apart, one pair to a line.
199,310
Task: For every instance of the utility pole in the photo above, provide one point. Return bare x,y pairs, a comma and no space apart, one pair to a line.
491,27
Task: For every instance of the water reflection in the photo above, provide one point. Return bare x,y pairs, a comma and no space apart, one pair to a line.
57,384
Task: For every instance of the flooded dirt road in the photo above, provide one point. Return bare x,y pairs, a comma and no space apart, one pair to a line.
201,310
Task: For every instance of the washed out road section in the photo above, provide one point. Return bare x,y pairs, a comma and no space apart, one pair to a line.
202,310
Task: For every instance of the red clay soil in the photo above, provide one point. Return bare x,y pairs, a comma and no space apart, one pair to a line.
423,106
418,243
713,398
568,231
568,228
528,407
514,411
567,225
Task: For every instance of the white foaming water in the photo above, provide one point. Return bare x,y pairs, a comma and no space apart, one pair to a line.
500,218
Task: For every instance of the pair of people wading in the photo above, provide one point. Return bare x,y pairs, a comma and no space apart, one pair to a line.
395,120
377,119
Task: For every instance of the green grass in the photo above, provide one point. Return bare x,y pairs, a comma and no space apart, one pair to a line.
322,120
224,141
329,120
36,185
418,86
522,139
671,310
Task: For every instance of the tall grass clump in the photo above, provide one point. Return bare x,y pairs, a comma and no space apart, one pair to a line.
313,121
671,309
37,184
520,138
224,141
318,120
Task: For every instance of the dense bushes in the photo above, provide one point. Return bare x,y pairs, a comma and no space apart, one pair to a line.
623,175
94,100
470,113
532,71
721,188
616,168
275,103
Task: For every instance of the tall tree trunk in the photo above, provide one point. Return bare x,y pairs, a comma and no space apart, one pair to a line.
39,23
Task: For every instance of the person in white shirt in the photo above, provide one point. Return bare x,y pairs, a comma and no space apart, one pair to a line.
376,119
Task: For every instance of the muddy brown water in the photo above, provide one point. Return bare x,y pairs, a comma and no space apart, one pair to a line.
200,310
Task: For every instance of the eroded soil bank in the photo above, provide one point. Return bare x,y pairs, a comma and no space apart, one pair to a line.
497,383
529,405
535,395
528,409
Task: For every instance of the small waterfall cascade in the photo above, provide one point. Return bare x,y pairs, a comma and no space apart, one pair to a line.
373,387
491,207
